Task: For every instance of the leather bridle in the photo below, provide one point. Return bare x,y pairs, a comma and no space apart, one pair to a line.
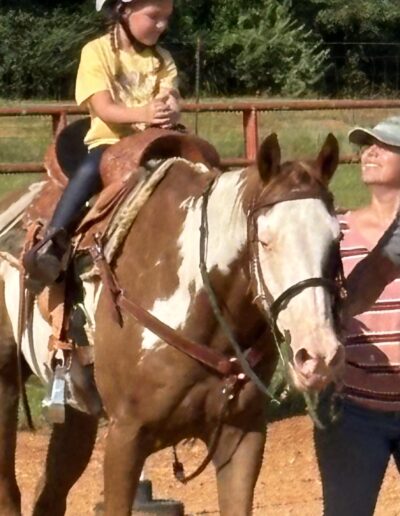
236,371
335,285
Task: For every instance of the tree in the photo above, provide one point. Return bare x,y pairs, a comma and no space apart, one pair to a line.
363,38
248,47
40,48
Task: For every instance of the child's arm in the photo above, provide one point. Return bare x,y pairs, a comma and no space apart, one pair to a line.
155,112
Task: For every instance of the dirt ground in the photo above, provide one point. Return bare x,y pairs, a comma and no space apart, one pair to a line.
288,485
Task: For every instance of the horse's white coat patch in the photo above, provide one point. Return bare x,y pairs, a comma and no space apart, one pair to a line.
294,250
227,234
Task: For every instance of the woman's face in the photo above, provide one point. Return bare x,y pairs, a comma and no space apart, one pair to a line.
148,19
380,165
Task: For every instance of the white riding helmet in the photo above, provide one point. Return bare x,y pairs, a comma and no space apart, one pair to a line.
100,3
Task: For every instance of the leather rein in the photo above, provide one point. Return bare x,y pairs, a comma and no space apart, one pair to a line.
236,371
213,359
334,285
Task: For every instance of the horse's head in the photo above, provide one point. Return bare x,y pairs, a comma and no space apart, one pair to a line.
295,258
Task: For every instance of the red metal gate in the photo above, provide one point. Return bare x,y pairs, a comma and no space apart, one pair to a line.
249,110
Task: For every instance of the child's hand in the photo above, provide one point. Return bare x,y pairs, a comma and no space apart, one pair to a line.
172,102
157,112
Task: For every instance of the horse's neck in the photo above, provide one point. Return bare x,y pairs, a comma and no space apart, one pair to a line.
225,259
184,306
226,221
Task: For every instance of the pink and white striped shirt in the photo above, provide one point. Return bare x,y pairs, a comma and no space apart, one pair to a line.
372,372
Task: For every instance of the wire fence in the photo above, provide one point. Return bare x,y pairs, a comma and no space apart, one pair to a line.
363,69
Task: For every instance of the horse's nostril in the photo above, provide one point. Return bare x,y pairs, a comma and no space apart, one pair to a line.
301,357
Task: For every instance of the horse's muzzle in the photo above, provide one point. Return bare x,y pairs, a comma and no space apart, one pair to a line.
314,373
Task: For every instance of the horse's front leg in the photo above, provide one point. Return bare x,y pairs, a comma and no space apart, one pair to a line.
126,451
237,462
10,497
70,448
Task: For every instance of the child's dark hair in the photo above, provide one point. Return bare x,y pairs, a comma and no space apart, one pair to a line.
114,17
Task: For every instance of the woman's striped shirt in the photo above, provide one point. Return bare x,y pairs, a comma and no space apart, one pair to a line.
372,372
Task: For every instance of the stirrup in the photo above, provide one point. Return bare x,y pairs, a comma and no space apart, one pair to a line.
54,403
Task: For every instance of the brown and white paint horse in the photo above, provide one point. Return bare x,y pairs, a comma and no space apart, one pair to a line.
153,394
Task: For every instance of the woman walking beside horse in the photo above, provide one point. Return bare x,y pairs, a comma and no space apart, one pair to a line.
354,452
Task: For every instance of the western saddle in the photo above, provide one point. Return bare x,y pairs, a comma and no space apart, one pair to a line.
120,166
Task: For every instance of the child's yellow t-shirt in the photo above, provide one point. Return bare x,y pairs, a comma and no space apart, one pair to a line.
141,79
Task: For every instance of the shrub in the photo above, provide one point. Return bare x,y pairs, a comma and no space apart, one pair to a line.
248,48
39,50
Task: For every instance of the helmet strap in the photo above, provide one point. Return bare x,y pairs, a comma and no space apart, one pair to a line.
136,45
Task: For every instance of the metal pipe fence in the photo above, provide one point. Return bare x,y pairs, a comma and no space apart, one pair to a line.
250,121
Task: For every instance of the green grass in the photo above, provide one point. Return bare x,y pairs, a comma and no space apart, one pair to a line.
36,393
300,133
9,182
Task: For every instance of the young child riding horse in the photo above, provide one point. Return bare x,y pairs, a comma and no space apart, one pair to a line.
128,83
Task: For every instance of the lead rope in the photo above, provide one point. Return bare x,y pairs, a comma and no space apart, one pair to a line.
233,384
231,389
214,302
282,342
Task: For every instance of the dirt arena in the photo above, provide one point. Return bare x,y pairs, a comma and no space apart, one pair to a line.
288,484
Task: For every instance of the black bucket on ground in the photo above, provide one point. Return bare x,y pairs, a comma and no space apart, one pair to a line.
145,504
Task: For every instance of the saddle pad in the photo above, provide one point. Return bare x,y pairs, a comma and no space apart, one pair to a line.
122,220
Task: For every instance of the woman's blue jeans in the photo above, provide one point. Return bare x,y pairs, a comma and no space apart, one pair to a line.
353,454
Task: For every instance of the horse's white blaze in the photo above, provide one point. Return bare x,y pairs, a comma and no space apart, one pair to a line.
297,237
227,235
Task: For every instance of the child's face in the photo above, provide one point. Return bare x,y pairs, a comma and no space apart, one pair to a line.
148,19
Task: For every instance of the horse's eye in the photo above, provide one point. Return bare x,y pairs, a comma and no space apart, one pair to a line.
264,245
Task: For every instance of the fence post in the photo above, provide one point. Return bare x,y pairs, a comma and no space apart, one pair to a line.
250,129
59,122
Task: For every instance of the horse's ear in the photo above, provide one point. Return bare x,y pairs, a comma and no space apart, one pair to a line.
328,158
269,158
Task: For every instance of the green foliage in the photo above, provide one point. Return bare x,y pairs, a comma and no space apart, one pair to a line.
266,49
279,47
365,37
364,20
248,48
39,50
